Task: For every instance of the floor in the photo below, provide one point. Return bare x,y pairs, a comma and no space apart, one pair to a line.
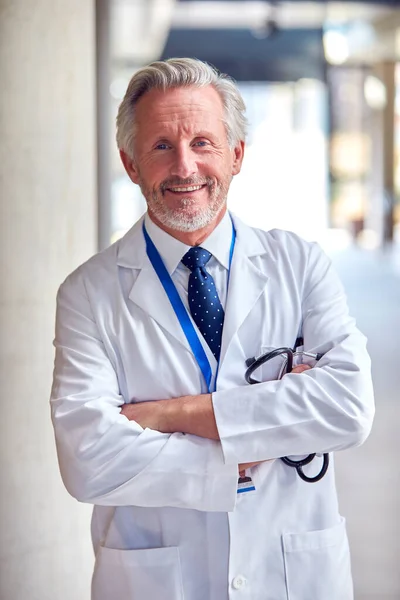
369,477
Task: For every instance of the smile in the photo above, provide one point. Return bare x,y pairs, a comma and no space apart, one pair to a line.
189,188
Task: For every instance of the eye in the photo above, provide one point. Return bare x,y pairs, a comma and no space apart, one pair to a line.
162,146
201,143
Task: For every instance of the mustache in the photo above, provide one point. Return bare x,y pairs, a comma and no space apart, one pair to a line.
177,181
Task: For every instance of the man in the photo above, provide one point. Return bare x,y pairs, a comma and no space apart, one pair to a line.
152,412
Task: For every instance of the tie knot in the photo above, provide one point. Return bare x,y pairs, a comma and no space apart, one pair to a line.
196,257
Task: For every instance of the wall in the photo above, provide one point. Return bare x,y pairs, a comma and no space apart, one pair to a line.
47,227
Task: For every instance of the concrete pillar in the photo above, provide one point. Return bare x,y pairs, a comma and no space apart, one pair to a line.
105,124
375,214
47,227
389,78
381,181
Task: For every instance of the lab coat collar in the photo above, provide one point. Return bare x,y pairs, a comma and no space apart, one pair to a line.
132,249
172,250
147,292
246,282
169,248
130,252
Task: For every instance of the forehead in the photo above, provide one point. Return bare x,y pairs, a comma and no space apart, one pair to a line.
187,107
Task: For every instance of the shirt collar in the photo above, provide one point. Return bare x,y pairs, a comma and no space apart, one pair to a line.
172,250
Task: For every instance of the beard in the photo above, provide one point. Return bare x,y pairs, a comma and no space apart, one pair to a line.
186,216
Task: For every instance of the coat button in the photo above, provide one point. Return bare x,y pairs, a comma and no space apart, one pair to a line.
238,582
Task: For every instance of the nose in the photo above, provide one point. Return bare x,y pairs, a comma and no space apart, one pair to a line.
184,162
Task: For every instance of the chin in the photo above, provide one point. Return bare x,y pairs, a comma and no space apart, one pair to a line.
189,223
187,219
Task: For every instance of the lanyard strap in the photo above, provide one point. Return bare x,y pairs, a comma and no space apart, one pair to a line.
178,306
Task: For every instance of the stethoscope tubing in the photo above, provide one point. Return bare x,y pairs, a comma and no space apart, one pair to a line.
252,365
299,464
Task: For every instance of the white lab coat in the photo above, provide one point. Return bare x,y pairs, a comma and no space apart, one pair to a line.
168,523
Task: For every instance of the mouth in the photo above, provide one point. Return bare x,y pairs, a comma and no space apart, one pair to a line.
185,190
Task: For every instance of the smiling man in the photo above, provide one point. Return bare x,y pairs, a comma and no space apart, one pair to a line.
182,160
153,417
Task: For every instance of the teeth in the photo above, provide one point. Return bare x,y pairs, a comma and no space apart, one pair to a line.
192,188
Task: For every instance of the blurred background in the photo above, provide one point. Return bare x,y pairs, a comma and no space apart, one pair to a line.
321,81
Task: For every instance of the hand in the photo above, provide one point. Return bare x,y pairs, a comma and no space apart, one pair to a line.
186,414
146,414
300,368
244,466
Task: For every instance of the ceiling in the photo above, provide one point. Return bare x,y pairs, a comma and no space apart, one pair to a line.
285,56
254,40
394,3
273,41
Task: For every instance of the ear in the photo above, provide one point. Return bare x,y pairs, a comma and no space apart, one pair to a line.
238,154
130,166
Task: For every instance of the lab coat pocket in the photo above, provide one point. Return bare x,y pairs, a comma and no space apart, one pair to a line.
151,574
317,564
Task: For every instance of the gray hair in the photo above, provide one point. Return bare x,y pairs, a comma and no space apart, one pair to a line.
180,72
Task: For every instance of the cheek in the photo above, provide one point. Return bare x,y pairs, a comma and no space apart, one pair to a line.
225,171
217,166
153,175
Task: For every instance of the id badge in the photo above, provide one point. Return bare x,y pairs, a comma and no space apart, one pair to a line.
245,484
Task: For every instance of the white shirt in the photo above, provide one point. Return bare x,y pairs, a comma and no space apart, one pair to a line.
172,251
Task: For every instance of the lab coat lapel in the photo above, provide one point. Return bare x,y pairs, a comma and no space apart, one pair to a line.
246,283
147,291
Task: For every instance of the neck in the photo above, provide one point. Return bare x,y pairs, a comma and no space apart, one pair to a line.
191,238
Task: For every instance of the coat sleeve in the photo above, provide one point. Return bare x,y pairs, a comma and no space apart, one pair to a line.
104,458
325,409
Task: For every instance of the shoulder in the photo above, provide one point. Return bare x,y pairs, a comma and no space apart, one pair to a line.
281,240
276,243
100,272
96,269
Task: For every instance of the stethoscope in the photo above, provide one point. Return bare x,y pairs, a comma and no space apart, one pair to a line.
253,364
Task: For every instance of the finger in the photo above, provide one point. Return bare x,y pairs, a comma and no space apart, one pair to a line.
301,368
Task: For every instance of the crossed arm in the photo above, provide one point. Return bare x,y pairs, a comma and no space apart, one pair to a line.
137,454
186,414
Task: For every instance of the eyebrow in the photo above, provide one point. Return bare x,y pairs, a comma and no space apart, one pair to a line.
200,134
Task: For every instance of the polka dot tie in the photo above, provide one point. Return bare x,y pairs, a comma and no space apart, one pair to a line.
204,303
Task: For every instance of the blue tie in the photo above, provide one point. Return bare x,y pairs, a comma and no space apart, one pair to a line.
204,304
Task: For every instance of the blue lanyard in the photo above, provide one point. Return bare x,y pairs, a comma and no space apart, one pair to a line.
179,307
